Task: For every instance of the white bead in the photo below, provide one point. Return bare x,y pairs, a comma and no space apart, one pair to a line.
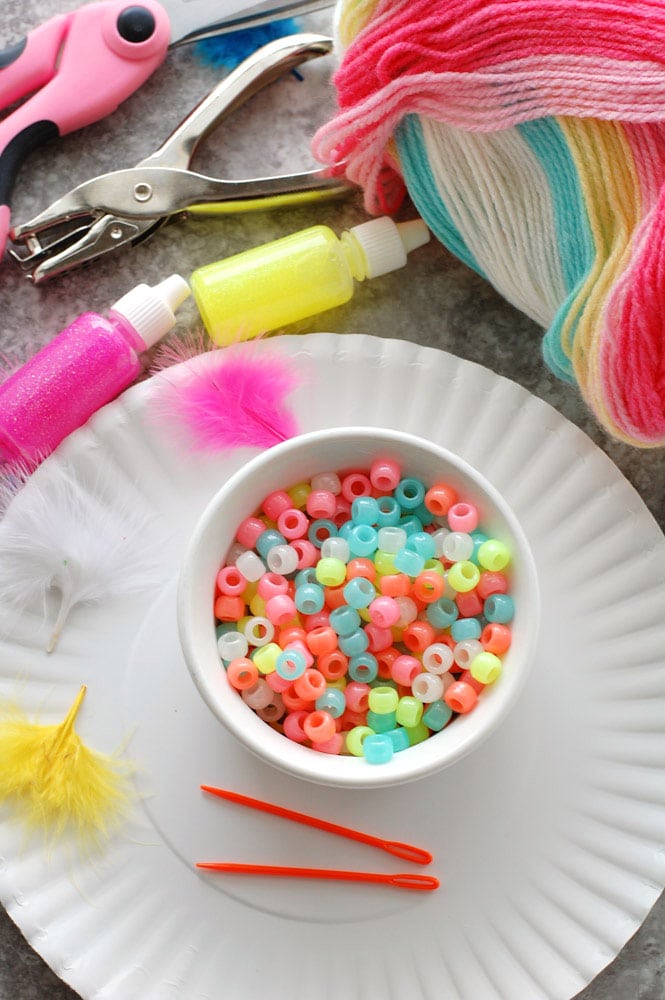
336,548
391,539
259,696
438,658
458,546
427,688
408,611
282,559
259,631
231,645
236,550
328,481
439,537
466,651
250,565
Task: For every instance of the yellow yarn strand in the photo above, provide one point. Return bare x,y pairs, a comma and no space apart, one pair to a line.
55,783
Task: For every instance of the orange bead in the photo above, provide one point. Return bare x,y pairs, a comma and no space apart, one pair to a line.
229,609
319,727
290,633
440,498
361,567
418,636
461,697
310,685
496,638
333,665
334,597
242,673
293,701
395,585
428,587
385,658
320,640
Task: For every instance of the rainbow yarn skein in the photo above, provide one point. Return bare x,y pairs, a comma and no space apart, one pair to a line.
530,135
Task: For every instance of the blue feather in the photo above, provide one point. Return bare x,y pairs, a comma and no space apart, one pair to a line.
229,50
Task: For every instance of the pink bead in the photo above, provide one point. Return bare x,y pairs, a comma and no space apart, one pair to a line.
379,638
293,726
355,485
463,516
275,503
320,620
357,696
333,745
405,668
302,648
281,609
384,612
271,585
292,523
230,581
308,554
249,531
385,475
342,512
321,504
277,682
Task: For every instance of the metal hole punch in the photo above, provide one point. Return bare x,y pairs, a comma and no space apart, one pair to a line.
125,207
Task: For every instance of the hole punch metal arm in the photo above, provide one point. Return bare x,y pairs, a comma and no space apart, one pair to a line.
125,207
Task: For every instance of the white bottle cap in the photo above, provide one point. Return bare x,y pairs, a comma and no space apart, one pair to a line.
385,243
151,311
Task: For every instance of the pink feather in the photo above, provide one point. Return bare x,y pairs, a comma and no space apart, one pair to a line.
231,398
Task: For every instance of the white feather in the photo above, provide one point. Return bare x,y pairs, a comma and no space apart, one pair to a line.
59,536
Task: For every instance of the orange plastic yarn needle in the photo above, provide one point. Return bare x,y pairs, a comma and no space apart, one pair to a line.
405,851
401,880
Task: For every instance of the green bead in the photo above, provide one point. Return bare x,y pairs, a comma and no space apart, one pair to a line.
409,711
381,722
330,572
383,700
494,555
485,668
464,576
355,739
418,733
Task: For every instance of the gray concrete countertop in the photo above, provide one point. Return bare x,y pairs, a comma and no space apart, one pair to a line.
436,302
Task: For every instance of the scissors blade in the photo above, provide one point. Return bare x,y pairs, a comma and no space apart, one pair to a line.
192,20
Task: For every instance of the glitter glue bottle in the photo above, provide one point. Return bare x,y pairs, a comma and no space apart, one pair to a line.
297,276
85,366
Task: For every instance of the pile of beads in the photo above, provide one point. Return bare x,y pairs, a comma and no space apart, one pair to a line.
360,613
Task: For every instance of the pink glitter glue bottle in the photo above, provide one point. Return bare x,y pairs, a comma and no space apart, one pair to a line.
84,367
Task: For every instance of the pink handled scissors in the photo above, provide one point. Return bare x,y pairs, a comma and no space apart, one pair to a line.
79,67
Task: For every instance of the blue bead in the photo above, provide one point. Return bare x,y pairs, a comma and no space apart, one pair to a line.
304,576
344,620
364,510
399,738
424,515
364,668
437,715
381,722
345,529
389,512
359,592
332,701
291,664
378,749
363,540
410,493
225,627
354,643
384,682
321,529
465,628
499,608
309,598
409,562
478,538
267,540
422,543
411,524
442,613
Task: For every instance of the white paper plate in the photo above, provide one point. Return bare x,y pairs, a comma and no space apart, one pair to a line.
548,839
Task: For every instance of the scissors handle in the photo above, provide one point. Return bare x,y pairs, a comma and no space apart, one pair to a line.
78,68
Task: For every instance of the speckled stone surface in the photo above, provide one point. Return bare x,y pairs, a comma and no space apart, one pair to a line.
436,301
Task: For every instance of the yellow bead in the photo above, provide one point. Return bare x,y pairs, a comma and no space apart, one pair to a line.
299,494
384,562
463,576
485,668
257,606
265,657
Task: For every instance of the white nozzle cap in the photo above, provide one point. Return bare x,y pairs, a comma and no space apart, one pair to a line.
151,311
385,243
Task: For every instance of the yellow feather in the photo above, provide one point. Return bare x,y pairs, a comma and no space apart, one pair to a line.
56,783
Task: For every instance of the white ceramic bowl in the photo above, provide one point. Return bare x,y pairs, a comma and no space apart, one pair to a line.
294,461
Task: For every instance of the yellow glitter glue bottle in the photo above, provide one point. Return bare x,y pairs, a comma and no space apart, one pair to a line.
279,283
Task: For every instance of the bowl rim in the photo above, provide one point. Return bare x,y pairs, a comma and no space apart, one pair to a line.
268,744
